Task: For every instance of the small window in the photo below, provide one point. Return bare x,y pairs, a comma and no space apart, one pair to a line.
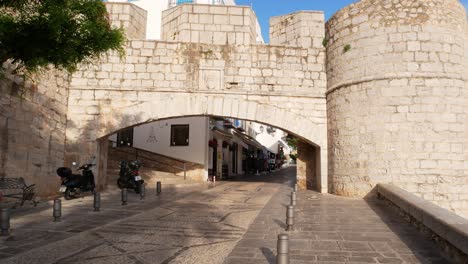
125,138
179,135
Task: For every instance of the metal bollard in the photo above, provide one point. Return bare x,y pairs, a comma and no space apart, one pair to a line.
57,213
124,196
293,198
290,218
158,187
142,191
282,249
295,187
5,222
214,180
97,202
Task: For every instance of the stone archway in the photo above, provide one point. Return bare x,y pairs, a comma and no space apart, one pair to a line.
114,117
282,84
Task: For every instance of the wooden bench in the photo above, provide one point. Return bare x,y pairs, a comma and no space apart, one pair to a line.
16,188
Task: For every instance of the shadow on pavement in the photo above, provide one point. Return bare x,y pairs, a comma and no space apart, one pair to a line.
413,245
269,255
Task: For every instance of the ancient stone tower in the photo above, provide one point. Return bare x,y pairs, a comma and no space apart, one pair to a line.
397,99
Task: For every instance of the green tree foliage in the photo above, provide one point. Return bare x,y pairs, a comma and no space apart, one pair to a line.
64,33
292,141
293,156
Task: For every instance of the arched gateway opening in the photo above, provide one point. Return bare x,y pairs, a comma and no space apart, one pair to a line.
231,75
311,147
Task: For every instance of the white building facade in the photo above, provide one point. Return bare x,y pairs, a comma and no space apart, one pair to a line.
220,145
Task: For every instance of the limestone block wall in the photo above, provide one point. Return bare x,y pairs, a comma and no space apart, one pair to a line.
397,99
304,29
32,128
153,70
308,166
156,65
129,17
282,86
210,24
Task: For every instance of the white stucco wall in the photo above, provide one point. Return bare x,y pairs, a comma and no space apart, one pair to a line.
194,152
269,140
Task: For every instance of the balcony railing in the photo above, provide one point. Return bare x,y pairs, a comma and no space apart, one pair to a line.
173,3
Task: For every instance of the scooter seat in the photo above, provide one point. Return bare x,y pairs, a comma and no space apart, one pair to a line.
64,172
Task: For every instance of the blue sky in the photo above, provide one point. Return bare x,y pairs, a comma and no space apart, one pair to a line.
268,8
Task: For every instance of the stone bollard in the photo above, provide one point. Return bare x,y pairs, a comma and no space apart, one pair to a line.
293,198
5,222
290,218
97,202
158,187
142,191
295,187
283,249
57,213
124,196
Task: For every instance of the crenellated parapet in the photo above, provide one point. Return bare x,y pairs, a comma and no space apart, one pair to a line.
130,18
305,29
210,24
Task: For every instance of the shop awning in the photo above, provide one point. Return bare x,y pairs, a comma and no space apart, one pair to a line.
222,133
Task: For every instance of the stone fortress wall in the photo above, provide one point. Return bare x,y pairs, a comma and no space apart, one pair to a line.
397,99
32,128
281,85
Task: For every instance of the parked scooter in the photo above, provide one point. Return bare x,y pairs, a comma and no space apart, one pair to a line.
74,184
129,175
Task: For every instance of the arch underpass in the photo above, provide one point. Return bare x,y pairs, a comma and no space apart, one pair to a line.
282,84
92,136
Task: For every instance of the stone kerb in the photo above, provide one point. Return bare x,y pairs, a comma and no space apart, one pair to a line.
446,225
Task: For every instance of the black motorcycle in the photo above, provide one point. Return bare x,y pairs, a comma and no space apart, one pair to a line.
129,175
74,184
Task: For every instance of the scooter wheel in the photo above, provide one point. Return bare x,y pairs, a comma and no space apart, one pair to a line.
120,184
67,195
137,187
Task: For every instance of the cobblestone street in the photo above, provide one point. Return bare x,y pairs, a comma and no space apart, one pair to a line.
234,222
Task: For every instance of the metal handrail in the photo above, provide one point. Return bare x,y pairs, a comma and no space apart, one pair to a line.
184,168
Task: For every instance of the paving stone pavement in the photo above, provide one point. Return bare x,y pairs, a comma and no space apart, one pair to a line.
199,227
32,227
234,222
331,229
